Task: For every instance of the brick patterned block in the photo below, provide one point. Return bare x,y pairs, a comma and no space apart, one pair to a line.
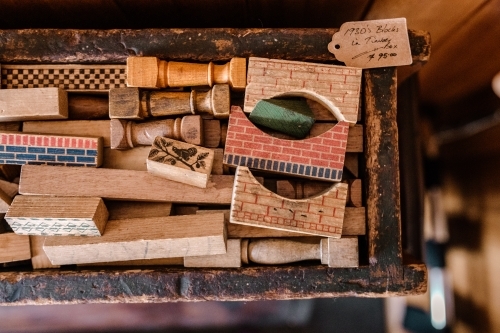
25,148
68,77
320,157
254,205
340,85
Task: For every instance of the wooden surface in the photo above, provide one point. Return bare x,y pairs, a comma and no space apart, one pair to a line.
14,247
83,106
33,104
142,238
342,252
11,189
232,258
128,159
181,162
212,133
39,259
119,210
120,185
61,216
5,201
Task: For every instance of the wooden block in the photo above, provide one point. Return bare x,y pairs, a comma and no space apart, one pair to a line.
254,205
142,238
130,159
342,252
127,134
211,133
119,210
355,193
26,148
14,247
68,77
232,258
97,128
292,117
120,185
33,104
186,209
13,126
140,262
321,157
57,216
5,201
335,87
351,163
218,165
131,103
39,259
11,189
150,72
88,107
180,162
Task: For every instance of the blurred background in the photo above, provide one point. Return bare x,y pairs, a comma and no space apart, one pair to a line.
455,126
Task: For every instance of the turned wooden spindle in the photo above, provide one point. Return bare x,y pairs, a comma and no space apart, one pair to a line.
127,134
151,72
130,103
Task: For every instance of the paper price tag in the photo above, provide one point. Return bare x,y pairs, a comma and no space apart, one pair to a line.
371,44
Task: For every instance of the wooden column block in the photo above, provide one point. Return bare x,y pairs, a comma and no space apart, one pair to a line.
254,205
14,247
33,104
151,72
120,185
142,238
232,258
39,259
131,103
127,134
180,162
61,216
292,117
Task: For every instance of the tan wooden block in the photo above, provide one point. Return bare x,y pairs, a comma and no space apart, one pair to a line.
142,238
61,216
81,128
39,259
120,185
342,252
142,72
10,171
139,262
129,159
14,247
180,162
232,258
119,210
14,126
218,165
11,189
33,104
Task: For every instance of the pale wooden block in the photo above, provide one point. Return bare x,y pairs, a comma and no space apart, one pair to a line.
181,162
120,185
14,247
130,159
5,201
142,238
255,205
11,189
230,259
97,128
119,210
139,262
342,252
33,104
61,216
39,259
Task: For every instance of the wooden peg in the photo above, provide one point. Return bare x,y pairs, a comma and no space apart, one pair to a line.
14,247
127,134
151,72
33,104
61,216
130,103
181,162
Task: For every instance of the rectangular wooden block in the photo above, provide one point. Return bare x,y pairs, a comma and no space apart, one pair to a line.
232,258
139,262
142,238
129,159
61,216
119,210
180,161
14,247
68,77
23,148
96,128
39,259
341,252
120,185
33,104
11,189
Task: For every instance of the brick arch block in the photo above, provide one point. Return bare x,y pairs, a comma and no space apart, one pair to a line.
254,205
320,157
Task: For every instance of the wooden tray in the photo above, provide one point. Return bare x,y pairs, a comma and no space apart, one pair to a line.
385,272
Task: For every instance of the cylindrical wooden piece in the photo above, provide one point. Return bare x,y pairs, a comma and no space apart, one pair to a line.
185,74
165,103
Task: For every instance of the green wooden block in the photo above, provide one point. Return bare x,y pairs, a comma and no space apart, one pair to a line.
289,116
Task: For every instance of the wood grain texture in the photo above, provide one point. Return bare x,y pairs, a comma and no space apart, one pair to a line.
351,164
39,259
212,133
61,216
11,189
14,247
128,159
97,128
33,104
10,126
139,262
181,162
142,238
119,210
84,106
5,201
232,258
120,185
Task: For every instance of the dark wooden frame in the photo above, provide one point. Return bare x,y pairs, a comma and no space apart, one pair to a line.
387,273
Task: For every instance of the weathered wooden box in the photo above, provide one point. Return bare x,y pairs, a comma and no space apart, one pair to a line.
383,271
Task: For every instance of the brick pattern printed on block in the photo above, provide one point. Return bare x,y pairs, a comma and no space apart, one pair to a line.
267,78
254,205
320,157
69,77
25,148
53,227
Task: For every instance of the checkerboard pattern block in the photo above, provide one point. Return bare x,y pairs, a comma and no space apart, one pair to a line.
267,78
68,77
321,157
24,148
254,205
